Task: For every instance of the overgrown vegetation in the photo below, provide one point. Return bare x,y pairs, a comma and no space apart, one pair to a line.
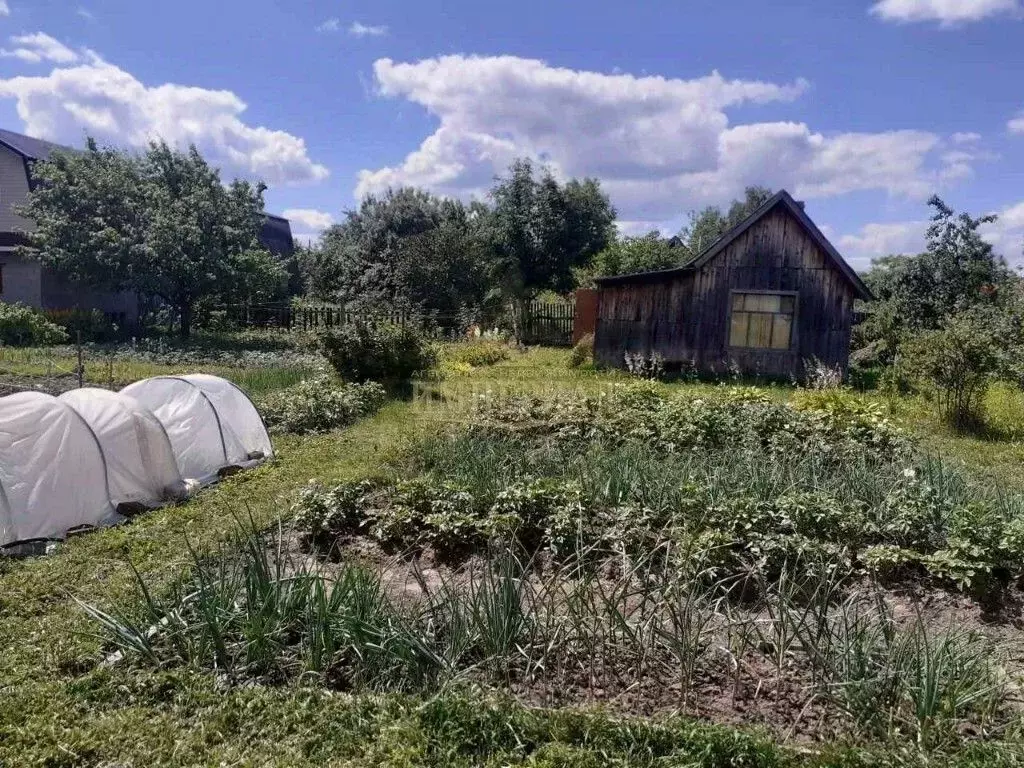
320,404
22,326
582,351
377,351
947,321
478,352
728,556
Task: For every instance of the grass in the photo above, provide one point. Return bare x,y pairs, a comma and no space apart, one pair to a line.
58,707
259,367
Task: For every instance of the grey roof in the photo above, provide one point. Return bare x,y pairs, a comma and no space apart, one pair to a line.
275,232
27,147
779,198
276,235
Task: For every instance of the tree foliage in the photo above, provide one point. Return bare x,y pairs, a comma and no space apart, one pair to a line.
161,224
542,230
957,362
625,255
958,270
710,223
406,248
410,249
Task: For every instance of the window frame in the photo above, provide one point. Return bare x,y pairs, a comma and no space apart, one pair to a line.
769,292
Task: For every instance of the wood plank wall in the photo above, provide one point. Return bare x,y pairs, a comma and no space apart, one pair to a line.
685,316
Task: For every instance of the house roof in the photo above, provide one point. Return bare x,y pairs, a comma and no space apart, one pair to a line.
28,147
275,232
782,198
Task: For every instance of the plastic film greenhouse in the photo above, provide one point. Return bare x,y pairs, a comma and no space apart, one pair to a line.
92,457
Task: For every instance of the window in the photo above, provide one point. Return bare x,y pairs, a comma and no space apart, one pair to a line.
762,320
1,279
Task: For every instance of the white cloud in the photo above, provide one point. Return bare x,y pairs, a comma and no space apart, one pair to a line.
908,237
329,25
946,12
660,146
5,9
876,240
85,13
100,99
358,29
309,219
1016,124
1007,233
966,137
39,47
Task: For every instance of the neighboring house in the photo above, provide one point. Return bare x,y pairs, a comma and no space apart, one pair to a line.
24,280
766,298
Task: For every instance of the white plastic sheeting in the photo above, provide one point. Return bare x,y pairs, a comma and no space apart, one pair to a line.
245,435
211,423
190,421
52,473
141,468
72,461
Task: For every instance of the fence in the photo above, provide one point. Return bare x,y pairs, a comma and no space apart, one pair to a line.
548,323
540,322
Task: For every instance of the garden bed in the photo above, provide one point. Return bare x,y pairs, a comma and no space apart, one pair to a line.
807,569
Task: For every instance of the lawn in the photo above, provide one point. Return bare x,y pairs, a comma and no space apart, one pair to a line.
60,705
260,362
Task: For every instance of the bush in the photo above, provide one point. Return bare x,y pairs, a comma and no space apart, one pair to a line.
320,404
956,364
365,351
583,352
92,324
478,353
22,326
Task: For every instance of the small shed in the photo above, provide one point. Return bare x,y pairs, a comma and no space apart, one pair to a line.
766,298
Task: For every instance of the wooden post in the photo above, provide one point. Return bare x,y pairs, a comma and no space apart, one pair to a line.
81,369
585,316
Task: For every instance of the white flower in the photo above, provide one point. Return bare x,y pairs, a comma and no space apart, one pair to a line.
910,473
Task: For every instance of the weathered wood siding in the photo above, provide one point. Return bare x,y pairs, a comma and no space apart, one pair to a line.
684,316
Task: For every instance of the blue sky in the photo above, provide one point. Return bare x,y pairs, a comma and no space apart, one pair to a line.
860,108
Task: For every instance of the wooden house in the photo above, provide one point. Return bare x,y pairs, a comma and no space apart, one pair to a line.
766,298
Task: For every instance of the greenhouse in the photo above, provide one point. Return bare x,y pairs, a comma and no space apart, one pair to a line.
52,470
210,422
140,464
92,457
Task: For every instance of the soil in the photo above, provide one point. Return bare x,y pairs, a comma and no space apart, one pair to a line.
748,692
51,385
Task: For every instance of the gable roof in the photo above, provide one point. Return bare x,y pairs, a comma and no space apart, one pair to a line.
782,198
28,147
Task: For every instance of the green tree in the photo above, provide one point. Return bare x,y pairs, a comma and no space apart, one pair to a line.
958,270
709,224
405,248
625,255
542,230
161,224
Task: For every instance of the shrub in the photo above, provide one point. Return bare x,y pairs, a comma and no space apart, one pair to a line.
320,404
366,351
583,352
478,353
92,324
22,326
957,363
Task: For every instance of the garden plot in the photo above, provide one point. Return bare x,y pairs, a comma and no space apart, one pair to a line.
802,567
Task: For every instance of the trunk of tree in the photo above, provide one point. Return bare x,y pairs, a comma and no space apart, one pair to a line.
185,318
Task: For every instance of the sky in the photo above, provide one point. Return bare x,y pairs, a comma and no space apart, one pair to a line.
861,108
